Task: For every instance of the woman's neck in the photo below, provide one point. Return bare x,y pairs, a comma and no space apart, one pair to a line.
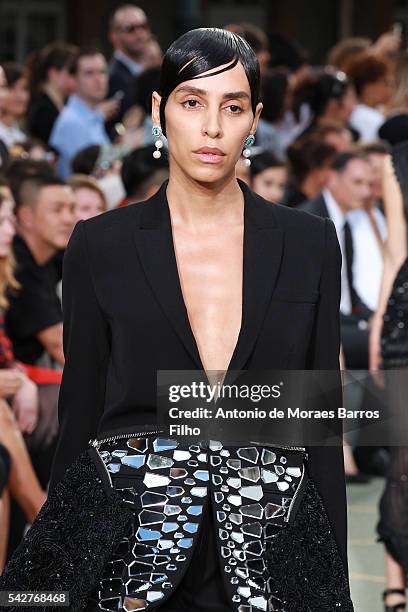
54,94
311,185
7,119
194,205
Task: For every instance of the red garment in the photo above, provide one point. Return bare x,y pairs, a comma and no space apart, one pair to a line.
44,376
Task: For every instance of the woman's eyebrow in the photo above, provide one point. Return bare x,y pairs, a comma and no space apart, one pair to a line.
202,92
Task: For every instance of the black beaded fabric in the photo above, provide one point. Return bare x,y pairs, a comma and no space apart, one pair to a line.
394,340
68,544
307,549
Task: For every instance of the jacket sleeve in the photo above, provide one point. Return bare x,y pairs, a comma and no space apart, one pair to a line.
86,342
326,462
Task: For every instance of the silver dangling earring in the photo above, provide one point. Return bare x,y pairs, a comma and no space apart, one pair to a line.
249,141
157,132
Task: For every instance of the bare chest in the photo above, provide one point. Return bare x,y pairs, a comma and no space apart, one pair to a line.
210,271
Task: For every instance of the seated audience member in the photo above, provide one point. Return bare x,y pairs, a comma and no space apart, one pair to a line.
348,188
89,198
329,95
19,401
369,231
268,176
45,212
388,43
84,162
276,97
373,80
334,134
51,82
256,38
81,122
142,175
309,165
14,106
93,161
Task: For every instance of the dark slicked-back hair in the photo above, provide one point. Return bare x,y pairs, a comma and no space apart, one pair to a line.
203,49
340,161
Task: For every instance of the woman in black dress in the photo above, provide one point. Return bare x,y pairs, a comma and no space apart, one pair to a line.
389,351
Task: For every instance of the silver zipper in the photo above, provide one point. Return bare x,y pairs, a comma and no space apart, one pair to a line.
96,442
287,517
295,448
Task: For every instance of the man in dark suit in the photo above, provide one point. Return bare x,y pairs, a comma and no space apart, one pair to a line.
129,31
348,189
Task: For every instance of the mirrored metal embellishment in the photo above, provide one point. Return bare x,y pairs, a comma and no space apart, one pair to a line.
268,456
160,445
155,480
135,461
255,492
156,462
137,444
167,519
177,472
249,454
181,455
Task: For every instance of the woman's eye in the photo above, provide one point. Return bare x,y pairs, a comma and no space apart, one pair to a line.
190,104
235,109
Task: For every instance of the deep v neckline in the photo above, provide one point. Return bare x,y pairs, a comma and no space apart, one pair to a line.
180,289
262,257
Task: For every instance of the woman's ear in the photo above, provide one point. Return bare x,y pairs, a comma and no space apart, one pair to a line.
258,111
156,99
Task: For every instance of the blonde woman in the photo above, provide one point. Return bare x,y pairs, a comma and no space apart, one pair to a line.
21,416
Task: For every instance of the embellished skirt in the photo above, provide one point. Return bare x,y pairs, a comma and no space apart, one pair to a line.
119,531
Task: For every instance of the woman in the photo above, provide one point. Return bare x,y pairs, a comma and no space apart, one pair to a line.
51,82
309,162
330,96
389,350
268,176
184,281
373,79
89,197
17,476
15,105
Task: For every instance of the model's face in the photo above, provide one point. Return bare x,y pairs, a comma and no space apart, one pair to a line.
88,203
270,183
7,223
51,218
207,122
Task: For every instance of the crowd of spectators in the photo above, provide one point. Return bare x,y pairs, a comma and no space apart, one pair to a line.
76,140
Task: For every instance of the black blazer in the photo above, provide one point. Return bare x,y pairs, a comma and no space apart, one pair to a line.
120,79
316,206
125,318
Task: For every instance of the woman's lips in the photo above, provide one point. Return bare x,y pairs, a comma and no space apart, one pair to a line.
209,157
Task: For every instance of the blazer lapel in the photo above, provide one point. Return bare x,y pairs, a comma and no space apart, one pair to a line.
154,242
263,247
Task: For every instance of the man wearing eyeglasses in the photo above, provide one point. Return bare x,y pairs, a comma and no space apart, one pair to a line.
129,34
